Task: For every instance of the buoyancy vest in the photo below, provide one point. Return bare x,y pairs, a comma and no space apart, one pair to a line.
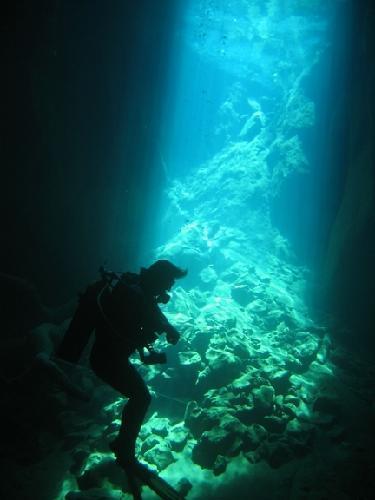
116,307
82,324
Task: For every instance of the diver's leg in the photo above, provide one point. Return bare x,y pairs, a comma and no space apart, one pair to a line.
133,413
135,409
125,379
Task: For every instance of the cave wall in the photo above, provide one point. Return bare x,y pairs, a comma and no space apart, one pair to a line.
349,269
82,87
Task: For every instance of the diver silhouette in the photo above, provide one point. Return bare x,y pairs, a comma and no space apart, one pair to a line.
123,310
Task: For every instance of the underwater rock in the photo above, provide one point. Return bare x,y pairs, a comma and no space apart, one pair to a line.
274,423
199,420
227,440
307,351
149,442
208,276
230,324
293,157
200,341
300,429
292,399
324,348
300,113
178,436
246,414
299,436
188,373
211,444
242,383
259,307
239,345
223,366
263,400
184,486
220,465
242,294
159,426
189,358
254,436
233,425
289,409
242,438
274,318
160,455
221,397
112,429
79,459
293,364
280,381
156,426
101,472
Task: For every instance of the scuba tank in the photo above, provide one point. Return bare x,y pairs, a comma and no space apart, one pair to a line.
99,303
86,317
82,324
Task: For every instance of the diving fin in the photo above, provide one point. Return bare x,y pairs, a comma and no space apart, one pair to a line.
163,489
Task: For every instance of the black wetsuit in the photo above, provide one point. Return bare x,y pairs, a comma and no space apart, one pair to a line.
124,319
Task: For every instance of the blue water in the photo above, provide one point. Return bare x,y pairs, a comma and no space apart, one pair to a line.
243,68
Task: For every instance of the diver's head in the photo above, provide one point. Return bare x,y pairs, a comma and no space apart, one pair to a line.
159,278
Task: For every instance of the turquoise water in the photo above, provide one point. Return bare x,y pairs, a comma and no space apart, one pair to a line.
249,387
219,135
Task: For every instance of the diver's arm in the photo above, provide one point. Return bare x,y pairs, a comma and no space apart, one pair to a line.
158,322
164,326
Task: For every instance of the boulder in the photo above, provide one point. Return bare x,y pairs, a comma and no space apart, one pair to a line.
150,442
220,465
158,426
274,423
254,436
160,455
178,437
189,358
242,294
263,400
211,444
199,420
280,381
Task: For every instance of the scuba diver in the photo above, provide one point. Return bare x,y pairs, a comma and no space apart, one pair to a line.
124,312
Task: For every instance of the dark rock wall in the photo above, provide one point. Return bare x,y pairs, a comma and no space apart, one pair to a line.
349,268
81,88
